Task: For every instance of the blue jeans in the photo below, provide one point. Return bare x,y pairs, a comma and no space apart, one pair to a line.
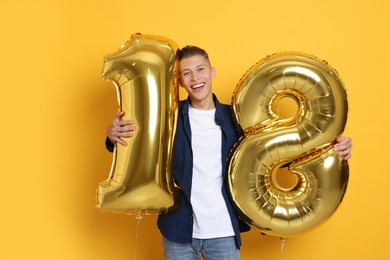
211,249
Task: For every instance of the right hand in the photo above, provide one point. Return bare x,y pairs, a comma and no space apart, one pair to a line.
119,129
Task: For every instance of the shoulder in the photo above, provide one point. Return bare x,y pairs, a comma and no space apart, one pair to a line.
226,107
226,110
221,106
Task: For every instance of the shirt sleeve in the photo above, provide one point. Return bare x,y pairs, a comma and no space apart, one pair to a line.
109,145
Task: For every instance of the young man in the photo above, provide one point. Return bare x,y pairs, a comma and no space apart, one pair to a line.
205,224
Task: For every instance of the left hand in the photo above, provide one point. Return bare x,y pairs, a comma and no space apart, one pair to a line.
343,147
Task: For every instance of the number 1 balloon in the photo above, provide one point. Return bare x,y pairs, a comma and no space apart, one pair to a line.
144,72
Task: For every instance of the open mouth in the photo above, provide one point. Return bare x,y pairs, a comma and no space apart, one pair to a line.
198,85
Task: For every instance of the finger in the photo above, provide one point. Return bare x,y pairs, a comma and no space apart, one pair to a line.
343,139
342,147
120,141
344,144
119,115
346,154
126,122
124,135
347,157
121,131
338,147
122,123
127,128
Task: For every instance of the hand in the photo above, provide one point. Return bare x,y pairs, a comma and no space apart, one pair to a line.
343,146
120,129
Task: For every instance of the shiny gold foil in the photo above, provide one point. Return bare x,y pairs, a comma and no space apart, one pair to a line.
302,142
144,72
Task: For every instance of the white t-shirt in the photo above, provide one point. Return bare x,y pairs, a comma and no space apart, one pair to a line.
211,216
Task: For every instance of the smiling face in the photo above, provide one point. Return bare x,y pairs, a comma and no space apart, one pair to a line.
196,75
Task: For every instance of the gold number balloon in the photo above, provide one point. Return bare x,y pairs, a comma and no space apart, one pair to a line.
144,72
302,142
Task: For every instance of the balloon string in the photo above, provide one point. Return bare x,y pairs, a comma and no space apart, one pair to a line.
282,248
138,217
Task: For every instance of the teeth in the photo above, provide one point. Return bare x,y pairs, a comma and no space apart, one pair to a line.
198,85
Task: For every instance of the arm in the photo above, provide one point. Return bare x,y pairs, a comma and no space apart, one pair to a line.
343,146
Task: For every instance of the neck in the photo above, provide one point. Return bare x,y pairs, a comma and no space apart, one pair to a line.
204,104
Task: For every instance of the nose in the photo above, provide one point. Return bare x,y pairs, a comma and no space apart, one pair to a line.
194,76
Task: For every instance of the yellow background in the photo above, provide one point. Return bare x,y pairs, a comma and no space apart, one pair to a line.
55,107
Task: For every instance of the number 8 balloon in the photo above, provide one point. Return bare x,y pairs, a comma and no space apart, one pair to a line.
302,142
144,72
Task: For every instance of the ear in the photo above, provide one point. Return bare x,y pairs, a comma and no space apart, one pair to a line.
213,72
